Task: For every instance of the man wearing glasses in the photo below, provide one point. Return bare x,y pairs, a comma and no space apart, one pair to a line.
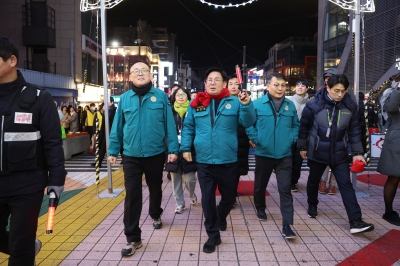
274,134
211,124
142,122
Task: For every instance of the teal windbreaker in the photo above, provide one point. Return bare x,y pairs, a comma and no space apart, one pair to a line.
215,136
141,128
272,134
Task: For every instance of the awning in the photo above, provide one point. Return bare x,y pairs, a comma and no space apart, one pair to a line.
59,92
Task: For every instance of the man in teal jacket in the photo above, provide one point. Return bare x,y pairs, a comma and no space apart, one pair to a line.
273,134
211,124
141,124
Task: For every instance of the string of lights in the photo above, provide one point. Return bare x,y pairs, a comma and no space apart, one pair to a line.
229,5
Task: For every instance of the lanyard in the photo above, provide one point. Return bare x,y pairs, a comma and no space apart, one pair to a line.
328,132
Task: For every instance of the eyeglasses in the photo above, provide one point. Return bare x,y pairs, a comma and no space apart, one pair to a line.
181,95
141,71
216,81
276,86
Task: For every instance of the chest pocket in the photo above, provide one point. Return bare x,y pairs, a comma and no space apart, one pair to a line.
202,117
156,111
130,113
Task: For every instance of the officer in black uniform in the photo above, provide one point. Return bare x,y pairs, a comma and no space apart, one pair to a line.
31,157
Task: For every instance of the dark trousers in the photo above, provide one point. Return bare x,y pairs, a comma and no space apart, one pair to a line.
19,242
102,151
296,165
283,172
209,176
133,168
342,174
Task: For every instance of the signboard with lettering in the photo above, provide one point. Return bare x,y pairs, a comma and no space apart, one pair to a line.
91,46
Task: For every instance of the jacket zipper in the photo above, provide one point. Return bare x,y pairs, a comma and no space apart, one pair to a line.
1,143
212,113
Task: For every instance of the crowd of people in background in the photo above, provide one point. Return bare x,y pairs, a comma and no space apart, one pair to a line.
208,133
214,131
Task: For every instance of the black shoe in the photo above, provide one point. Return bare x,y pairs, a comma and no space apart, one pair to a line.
222,225
392,217
157,223
209,246
293,188
262,216
131,248
360,226
288,232
312,211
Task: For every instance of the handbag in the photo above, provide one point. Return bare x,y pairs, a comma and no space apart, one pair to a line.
172,167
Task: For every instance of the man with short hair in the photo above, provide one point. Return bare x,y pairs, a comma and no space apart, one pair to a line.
31,157
243,139
141,124
274,134
211,124
299,99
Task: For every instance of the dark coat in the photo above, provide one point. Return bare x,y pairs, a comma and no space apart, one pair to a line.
46,166
371,115
389,162
181,162
314,127
243,151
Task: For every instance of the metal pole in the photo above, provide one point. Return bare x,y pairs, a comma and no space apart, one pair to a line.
356,26
356,30
244,69
106,97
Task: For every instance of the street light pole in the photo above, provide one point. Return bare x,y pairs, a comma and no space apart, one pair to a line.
356,30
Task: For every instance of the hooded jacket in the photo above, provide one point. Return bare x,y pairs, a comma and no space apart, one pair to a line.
313,135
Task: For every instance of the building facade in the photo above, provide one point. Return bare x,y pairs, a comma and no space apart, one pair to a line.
55,38
380,42
296,59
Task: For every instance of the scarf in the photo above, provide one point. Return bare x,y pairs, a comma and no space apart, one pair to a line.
181,108
203,98
142,90
277,102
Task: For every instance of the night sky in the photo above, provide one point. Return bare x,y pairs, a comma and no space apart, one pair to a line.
215,37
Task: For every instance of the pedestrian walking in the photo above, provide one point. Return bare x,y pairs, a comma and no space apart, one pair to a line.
243,139
183,172
299,99
328,124
211,124
389,162
274,134
31,157
141,124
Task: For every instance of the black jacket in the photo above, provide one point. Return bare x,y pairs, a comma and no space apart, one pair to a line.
345,128
371,115
181,162
31,152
